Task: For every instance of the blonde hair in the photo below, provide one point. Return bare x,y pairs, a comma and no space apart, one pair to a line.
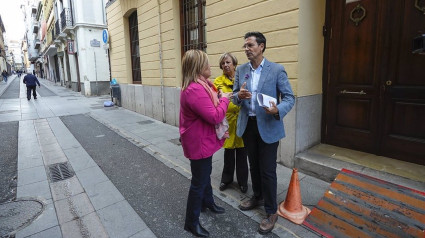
224,56
193,63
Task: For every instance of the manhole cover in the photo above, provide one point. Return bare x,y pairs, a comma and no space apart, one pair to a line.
18,214
60,172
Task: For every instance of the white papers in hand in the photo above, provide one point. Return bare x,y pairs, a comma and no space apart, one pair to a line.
264,100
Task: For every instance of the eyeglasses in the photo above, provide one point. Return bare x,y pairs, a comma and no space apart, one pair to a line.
249,46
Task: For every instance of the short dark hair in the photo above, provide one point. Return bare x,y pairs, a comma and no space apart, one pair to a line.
259,37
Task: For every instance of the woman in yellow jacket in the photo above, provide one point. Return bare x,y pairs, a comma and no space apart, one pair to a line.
234,150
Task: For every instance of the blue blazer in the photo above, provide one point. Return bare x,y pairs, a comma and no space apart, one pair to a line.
273,82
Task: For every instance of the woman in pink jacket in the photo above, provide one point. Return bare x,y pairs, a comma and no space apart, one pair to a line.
202,108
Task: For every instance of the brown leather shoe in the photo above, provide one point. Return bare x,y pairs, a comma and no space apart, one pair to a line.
267,224
251,204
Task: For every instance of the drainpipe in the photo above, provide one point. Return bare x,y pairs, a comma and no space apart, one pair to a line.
161,73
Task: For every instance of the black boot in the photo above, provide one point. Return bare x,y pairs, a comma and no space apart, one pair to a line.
197,230
214,208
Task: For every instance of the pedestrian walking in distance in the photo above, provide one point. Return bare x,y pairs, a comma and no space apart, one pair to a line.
201,109
4,74
261,128
31,81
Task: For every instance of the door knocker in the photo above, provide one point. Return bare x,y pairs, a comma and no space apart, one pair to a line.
360,13
422,9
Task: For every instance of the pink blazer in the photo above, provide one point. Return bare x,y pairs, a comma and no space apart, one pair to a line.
198,118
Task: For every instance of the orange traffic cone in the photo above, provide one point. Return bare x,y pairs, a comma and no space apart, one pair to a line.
292,208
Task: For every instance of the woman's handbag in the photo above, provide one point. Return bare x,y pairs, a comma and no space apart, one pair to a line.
221,129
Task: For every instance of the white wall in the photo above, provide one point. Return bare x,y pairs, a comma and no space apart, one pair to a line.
91,12
93,65
91,70
29,22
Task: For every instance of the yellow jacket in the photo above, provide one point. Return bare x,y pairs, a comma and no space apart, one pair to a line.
226,85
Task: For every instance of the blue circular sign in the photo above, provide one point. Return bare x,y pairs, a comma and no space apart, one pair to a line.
105,36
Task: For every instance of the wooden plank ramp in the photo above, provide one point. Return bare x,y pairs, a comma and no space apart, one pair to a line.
357,205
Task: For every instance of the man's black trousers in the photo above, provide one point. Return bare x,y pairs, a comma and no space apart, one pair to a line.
262,162
34,93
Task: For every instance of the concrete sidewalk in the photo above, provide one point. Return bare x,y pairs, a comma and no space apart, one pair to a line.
5,85
89,203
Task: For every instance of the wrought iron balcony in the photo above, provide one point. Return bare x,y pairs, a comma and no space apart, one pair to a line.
66,18
57,29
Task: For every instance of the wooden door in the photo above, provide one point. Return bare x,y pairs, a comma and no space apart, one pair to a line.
373,84
403,84
352,92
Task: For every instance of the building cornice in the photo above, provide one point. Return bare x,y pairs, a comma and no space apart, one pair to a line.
86,25
109,3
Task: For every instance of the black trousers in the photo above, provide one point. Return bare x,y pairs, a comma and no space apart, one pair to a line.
200,192
262,161
234,157
34,93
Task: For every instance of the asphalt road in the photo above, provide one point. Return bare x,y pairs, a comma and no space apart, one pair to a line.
8,160
45,92
157,193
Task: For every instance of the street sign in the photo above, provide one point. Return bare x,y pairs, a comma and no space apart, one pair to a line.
105,36
94,43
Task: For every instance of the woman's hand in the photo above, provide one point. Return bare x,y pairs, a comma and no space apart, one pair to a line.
226,95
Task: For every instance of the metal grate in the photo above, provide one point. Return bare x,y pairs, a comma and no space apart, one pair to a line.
66,18
145,122
134,46
59,172
193,28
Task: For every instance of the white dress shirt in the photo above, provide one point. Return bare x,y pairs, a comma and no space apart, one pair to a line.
255,77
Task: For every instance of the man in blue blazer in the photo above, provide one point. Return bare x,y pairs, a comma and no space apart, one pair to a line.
31,81
261,127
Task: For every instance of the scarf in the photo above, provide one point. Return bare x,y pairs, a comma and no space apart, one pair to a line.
221,129
210,88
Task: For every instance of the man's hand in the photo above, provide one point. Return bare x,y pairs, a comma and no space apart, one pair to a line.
272,109
244,93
